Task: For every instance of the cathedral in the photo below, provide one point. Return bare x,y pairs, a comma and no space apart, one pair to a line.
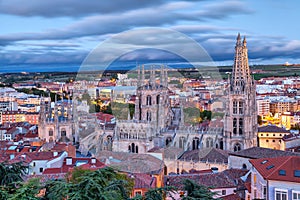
56,121
153,117
155,124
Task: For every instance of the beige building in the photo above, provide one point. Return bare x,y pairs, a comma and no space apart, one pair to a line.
271,137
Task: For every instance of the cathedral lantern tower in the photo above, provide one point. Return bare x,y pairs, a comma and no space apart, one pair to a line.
240,121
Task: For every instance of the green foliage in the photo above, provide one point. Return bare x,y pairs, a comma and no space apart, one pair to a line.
11,173
195,116
196,191
86,97
120,110
27,191
103,184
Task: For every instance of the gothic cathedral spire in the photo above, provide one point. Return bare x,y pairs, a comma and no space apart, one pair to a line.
240,123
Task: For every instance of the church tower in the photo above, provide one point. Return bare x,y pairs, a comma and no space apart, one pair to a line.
152,98
240,123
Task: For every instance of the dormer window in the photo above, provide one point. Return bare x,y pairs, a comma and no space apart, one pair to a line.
282,172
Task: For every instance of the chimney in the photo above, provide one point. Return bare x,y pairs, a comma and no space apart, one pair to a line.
93,160
69,160
55,153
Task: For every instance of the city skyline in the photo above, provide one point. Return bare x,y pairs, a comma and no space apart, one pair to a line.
61,33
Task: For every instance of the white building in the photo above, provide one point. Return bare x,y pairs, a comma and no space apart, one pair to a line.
275,178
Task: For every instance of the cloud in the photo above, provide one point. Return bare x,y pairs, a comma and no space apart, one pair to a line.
167,14
71,8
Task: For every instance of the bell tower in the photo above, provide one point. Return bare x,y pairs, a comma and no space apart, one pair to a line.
240,120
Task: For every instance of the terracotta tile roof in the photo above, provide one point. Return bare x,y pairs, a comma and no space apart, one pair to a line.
272,129
233,196
259,152
205,171
280,168
143,181
86,164
229,178
206,155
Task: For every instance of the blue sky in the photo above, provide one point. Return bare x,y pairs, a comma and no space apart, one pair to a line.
63,32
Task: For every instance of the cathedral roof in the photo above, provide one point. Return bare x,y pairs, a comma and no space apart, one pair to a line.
132,163
169,152
206,155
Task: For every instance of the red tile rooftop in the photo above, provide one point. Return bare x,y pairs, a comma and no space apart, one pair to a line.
233,196
286,168
259,152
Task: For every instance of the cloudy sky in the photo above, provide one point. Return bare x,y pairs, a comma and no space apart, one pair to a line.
60,33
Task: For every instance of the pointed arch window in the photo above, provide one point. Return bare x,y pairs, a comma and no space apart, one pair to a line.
181,142
235,104
148,103
234,125
237,147
148,115
51,132
241,107
196,142
241,126
63,132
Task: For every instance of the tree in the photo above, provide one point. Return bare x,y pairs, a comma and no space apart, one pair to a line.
155,194
103,184
27,191
11,173
196,191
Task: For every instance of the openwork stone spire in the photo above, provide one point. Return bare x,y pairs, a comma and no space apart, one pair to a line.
241,79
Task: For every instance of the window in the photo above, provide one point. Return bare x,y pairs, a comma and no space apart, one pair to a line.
234,124
148,115
51,132
264,189
234,107
138,193
41,169
282,172
223,192
241,107
148,103
240,126
297,173
281,194
270,167
237,147
63,132
296,195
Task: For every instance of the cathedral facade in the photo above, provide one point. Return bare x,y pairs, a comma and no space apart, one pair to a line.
56,122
